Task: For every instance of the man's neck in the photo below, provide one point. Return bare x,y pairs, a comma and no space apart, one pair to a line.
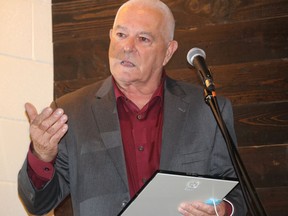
140,95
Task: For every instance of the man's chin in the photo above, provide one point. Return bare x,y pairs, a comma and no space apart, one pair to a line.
124,77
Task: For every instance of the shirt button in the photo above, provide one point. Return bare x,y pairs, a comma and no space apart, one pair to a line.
139,117
141,148
144,180
46,169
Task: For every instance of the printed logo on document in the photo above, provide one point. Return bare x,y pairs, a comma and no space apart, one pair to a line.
192,185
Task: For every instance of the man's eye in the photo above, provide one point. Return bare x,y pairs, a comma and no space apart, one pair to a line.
144,39
120,34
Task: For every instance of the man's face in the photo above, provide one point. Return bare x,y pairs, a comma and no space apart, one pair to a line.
139,47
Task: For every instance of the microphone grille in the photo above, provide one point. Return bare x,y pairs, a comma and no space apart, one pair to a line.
193,53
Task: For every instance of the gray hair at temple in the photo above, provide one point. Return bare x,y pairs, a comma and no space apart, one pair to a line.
159,5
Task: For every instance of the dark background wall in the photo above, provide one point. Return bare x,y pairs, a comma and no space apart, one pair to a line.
246,43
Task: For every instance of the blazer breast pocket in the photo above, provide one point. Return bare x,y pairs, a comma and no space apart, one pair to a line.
196,163
195,156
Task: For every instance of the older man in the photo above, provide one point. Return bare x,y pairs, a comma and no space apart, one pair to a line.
123,129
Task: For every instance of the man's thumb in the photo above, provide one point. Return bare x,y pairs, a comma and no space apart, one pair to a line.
31,111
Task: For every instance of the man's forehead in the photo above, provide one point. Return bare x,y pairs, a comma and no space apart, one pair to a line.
134,9
139,32
139,16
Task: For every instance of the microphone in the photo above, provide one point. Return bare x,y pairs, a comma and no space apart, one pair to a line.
196,57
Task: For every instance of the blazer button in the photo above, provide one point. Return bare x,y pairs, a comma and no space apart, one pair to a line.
124,203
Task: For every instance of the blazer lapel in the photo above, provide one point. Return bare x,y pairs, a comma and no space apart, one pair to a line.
174,118
106,117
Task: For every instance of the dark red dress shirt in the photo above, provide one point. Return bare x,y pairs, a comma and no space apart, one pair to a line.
141,131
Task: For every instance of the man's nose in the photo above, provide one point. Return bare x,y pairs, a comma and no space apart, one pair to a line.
129,45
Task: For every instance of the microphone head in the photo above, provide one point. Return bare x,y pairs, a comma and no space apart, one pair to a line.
193,53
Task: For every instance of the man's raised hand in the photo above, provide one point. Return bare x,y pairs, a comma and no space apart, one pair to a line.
46,130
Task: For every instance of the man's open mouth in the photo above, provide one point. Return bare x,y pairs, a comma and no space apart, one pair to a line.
127,63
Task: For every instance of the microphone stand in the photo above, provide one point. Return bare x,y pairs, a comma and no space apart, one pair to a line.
252,201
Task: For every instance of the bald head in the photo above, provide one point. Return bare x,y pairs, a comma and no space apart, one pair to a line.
168,18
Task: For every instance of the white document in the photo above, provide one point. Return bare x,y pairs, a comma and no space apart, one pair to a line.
165,191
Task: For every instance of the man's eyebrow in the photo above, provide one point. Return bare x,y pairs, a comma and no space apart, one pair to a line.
120,27
146,33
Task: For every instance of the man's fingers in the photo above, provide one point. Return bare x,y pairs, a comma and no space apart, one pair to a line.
197,208
39,120
189,209
59,134
57,123
47,119
47,124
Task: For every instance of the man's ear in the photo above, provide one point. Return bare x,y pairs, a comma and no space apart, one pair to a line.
110,33
172,47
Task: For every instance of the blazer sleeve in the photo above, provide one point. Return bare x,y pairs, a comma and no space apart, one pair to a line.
37,202
42,201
